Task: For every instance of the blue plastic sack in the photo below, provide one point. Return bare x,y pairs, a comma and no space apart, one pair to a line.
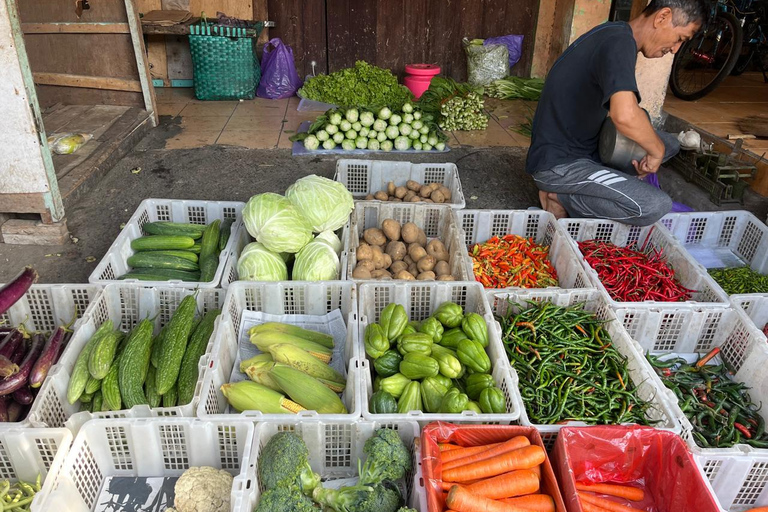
513,43
279,78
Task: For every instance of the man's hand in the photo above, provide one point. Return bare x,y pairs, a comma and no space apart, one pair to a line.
648,165
632,122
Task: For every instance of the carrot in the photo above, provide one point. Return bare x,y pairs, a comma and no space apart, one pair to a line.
522,458
508,485
506,446
620,491
588,507
446,447
533,502
606,504
461,500
465,452
537,470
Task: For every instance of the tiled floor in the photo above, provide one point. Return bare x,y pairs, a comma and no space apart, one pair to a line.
267,124
720,111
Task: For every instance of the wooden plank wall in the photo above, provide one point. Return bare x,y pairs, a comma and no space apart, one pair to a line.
86,54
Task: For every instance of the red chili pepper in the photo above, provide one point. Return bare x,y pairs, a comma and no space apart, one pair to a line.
512,261
744,430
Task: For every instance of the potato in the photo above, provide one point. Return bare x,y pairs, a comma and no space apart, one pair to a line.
421,238
442,268
437,196
391,229
435,185
409,232
396,250
397,200
381,274
380,195
387,260
426,190
408,260
437,249
364,252
366,264
413,185
428,200
414,199
447,277
361,273
391,188
426,263
391,198
374,236
378,260
369,197
426,276
397,266
408,195
400,192
416,252
445,191
404,274
413,270
378,249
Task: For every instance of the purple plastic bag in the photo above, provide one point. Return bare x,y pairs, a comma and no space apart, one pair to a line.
513,43
653,179
279,78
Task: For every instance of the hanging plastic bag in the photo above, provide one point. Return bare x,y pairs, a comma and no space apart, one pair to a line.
67,143
279,78
514,44
485,63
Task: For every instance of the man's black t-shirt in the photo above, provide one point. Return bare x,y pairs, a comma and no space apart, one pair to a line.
577,94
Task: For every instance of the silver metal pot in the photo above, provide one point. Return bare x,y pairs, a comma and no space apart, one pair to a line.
616,150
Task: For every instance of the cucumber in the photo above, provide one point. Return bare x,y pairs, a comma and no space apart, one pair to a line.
97,402
154,359
209,246
110,389
86,399
208,268
195,249
80,372
198,342
134,364
161,274
226,230
92,386
194,231
154,260
161,243
170,398
175,344
150,389
179,253
102,354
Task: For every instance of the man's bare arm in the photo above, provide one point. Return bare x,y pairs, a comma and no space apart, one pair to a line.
632,122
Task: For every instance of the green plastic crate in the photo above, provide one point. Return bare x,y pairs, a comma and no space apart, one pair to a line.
224,62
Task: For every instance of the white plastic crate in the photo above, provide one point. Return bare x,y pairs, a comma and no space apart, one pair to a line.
755,306
285,298
437,221
115,262
363,177
689,273
26,453
44,308
648,386
722,239
420,300
481,225
336,446
739,474
126,305
153,447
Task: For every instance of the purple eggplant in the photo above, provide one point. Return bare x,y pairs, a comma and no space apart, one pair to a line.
19,380
10,343
16,411
16,289
3,409
48,357
5,330
23,395
7,367
21,349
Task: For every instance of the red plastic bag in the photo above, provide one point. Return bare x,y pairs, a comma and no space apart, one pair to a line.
657,461
474,435
279,78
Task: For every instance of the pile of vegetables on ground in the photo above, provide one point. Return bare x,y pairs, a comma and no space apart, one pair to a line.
290,485
178,251
363,85
202,489
568,368
456,106
720,409
117,370
397,251
384,129
503,476
512,261
18,496
284,228
25,358
413,192
740,280
516,88
292,373
631,275
438,365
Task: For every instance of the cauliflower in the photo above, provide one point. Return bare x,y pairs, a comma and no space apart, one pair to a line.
203,489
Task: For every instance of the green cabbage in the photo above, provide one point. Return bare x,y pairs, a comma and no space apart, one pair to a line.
275,222
317,261
325,203
257,263
331,238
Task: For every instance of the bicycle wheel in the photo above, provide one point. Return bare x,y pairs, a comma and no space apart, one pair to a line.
742,63
702,63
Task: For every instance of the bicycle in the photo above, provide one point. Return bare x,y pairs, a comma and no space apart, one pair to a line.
737,32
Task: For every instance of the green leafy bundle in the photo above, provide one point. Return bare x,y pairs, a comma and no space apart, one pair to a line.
515,87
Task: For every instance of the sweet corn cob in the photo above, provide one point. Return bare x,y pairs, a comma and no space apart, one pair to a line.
265,339
307,391
336,387
250,396
261,358
259,373
299,332
302,360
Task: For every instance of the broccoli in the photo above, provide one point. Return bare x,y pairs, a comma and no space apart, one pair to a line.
285,499
284,461
388,458
382,497
406,509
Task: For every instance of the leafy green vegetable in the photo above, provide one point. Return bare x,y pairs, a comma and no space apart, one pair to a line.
515,87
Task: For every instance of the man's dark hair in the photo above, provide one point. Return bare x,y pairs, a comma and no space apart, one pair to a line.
683,11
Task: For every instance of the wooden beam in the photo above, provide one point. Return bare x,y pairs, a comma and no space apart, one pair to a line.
88,82
75,28
142,63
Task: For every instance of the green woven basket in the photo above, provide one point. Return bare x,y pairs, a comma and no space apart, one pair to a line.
224,62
